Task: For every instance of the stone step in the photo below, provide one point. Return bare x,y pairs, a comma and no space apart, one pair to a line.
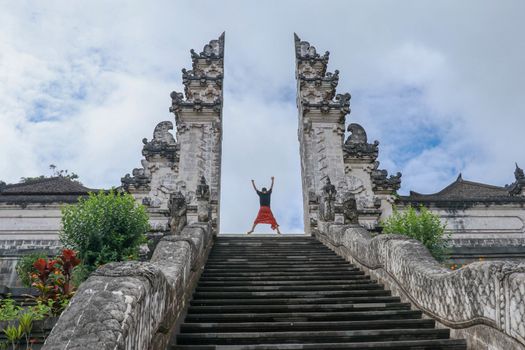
287,259
311,273
298,301
304,326
278,264
339,277
360,285
355,280
260,258
288,294
279,308
305,316
435,344
291,293
295,269
313,336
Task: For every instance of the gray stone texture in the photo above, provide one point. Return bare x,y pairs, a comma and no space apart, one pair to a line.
483,294
351,165
134,305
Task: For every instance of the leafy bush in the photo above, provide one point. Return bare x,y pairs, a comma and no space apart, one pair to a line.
422,225
25,268
104,227
53,279
9,310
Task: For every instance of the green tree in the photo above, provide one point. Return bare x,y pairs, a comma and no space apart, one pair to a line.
54,173
420,224
104,227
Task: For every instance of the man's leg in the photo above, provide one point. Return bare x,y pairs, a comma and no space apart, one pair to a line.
253,228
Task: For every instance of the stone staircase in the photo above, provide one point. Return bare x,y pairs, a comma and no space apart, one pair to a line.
294,293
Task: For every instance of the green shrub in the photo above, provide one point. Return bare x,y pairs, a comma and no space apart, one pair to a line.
25,268
104,227
422,225
9,310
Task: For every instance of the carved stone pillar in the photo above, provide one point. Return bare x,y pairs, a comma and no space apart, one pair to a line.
172,169
198,114
364,190
321,127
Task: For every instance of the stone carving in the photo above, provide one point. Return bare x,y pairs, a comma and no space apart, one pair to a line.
161,149
140,179
198,115
518,173
178,209
481,293
349,209
214,49
134,294
163,143
203,190
357,146
327,211
203,201
518,187
381,181
305,51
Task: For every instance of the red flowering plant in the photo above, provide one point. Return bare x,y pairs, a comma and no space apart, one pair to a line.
53,279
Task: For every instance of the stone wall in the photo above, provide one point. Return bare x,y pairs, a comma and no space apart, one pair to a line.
135,305
483,221
483,302
32,221
12,249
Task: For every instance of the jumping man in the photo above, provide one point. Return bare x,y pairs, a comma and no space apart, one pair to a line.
265,215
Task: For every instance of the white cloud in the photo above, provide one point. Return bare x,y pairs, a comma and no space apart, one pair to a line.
439,84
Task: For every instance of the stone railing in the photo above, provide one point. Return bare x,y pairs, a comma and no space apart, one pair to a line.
135,305
482,302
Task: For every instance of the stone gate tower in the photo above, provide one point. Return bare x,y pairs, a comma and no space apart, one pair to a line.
340,179
180,178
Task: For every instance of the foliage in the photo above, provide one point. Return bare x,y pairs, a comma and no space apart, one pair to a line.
25,322
53,279
54,173
104,227
41,310
13,335
420,224
8,309
25,268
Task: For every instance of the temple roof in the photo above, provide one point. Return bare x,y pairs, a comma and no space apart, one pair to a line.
464,191
48,190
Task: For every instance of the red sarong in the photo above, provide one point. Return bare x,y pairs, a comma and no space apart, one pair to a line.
265,216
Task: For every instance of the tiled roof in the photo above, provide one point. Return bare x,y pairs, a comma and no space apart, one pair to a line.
47,190
465,191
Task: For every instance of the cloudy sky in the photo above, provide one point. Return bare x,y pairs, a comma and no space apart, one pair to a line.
439,84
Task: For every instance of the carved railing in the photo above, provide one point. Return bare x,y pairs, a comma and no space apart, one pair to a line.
482,302
135,305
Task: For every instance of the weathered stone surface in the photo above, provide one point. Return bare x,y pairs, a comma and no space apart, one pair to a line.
351,165
132,305
488,293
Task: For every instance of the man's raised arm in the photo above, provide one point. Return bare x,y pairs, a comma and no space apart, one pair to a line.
254,187
273,179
